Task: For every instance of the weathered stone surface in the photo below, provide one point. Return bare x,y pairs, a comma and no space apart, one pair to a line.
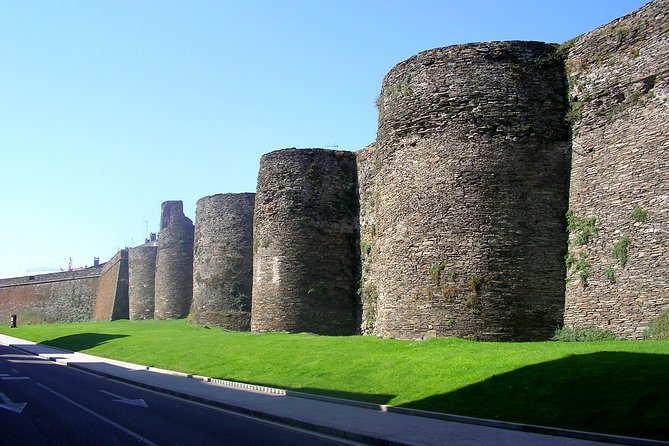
174,263
49,298
463,195
111,302
142,280
223,261
305,231
619,91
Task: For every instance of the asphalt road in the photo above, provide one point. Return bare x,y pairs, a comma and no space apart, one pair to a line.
45,403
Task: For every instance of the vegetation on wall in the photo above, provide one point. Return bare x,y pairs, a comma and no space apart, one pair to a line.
620,250
580,265
369,296
659,328
583,334
610,274
582,228
639,215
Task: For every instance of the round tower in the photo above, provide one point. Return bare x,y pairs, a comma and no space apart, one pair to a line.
464,193
305,231
142,280
174,263
223,261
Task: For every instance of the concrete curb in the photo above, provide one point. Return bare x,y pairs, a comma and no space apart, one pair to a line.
581,435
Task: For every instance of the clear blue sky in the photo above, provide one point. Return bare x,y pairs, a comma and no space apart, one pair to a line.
109,108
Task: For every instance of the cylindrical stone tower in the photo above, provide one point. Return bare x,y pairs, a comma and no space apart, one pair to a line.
141,280
305,231
223,261
174,263
464,193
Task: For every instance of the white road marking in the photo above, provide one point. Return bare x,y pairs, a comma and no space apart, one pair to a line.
119,399
14,378
9,405
101,417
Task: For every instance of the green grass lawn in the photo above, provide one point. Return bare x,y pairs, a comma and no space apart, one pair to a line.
612,387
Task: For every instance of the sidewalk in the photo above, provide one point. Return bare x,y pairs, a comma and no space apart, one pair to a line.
364,422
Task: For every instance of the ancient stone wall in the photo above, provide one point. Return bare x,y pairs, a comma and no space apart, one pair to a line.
305,232
142,280
223,261
111,302
174,263
49,298
619,196
463,195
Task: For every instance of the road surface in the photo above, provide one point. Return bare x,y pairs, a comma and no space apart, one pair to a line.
46,403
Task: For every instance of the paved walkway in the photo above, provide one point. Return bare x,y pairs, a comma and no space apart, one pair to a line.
362,422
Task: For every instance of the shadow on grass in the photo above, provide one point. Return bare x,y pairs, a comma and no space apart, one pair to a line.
82,341
607,392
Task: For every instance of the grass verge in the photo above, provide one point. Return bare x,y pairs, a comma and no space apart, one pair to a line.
616,387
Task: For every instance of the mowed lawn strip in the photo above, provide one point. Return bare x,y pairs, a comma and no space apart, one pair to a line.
611,387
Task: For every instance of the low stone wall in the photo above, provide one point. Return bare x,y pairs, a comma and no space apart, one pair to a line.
223,261
49,298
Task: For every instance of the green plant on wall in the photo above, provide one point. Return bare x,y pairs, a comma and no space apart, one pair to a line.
580,265
610,274
581,227
475,285
574,112
620,250
659,328
639,215
369,296
436,271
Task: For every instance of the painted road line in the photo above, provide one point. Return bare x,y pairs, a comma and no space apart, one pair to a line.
11,406
101,417
119,399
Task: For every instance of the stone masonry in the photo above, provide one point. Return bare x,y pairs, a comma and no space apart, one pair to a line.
618,260
111,302
67,296
142,280
305,232
463,195
223,261
499,170
174,263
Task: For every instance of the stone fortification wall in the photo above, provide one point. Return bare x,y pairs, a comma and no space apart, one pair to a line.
463,195
619,196
49,298
111,302
142,280
305,231
174,263
223,261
